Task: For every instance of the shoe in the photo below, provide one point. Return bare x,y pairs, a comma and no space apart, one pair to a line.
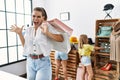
102,68
56,78
108,67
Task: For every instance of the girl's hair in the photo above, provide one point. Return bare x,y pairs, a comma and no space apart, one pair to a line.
83,39
41,10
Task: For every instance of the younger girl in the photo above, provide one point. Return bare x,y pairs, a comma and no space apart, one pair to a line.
85,51
61,58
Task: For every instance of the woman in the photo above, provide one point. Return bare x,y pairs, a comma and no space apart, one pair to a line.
37,46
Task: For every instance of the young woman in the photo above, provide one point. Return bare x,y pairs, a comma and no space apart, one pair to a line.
37,45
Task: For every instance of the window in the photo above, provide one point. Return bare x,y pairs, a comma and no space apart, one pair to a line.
12,12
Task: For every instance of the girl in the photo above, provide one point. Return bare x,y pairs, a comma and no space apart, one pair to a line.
85,50
61,58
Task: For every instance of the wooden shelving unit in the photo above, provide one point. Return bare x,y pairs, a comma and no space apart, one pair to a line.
71,64
101,58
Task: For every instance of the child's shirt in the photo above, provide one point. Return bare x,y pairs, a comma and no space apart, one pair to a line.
86,50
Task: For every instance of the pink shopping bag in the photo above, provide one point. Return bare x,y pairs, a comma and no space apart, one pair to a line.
79,74
60,26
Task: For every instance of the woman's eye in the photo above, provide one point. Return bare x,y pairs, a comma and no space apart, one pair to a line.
36,16
33,15
39,17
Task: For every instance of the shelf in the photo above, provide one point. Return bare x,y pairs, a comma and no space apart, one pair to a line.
104,54
105,75
102,36
72,64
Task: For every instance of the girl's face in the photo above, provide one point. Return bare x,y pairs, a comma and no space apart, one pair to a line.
37,18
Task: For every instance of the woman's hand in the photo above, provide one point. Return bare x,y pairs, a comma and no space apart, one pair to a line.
56,37
44,28
16,29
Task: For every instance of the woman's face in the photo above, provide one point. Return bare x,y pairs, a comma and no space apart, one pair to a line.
37,18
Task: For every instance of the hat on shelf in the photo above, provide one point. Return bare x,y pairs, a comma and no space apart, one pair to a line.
108,7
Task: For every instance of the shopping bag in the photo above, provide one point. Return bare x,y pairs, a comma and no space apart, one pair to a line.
79,74
62,46
60,26
66,31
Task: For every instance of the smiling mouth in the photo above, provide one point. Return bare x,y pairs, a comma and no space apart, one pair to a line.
36,23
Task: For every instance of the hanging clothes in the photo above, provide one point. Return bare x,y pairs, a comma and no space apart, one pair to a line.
118,48
115,47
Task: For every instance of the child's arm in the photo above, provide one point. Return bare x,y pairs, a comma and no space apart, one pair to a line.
98,48
79,52
80,64
79,56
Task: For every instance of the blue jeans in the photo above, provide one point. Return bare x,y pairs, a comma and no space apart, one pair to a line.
39,69
61,56
86,60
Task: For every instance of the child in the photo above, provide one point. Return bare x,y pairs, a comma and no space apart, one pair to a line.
61,58
85,50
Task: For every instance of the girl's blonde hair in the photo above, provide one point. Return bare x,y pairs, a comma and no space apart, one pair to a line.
83,39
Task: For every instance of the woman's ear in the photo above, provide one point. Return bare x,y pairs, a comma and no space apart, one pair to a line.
43,18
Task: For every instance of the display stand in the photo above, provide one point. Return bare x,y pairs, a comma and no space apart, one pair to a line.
101,58
72,64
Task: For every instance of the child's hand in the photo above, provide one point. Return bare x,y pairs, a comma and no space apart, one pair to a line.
102,48
99,48
81,65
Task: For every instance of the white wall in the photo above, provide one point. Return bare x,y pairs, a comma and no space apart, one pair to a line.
83,13
38,3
